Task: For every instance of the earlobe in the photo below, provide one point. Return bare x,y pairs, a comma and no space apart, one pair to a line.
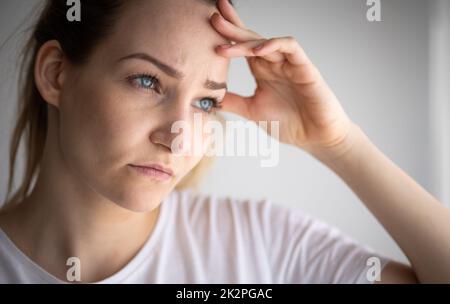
49,71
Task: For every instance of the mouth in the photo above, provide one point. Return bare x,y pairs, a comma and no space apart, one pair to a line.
154,171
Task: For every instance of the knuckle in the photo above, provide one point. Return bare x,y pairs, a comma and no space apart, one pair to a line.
272,41
292,41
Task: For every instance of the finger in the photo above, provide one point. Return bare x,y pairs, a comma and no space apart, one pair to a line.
231,31
300,70
288,46
247,49
229,13
236,104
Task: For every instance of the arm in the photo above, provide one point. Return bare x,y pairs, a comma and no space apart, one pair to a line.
416,220
397,273
291,90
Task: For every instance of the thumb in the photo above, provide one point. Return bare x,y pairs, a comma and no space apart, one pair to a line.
236,104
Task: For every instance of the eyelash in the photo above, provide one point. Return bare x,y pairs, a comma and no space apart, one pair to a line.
131,79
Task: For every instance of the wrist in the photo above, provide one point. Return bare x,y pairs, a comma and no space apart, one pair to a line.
345,148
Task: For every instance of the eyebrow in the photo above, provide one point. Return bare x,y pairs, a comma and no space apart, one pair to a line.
172,72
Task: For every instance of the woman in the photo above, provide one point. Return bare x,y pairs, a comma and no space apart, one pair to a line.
99,99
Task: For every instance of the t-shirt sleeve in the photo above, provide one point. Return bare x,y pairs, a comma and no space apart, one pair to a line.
304,249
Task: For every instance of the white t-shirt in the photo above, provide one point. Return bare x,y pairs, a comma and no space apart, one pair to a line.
201,238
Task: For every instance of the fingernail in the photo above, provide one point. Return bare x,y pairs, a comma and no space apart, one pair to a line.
259,46
218,15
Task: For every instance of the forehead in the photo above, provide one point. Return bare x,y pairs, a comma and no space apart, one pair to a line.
177,32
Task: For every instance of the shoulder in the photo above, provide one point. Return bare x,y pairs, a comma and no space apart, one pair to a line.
298,247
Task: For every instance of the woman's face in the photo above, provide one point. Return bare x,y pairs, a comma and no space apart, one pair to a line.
113,114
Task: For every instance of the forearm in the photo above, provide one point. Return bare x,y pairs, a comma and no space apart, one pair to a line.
416,220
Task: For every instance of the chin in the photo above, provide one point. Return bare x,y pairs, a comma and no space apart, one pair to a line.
141,206
138,201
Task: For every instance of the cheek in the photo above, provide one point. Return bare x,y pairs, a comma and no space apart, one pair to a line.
99,128
101,131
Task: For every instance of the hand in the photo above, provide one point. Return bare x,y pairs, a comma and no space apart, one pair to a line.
289,89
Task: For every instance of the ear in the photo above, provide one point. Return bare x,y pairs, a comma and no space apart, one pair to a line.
49,71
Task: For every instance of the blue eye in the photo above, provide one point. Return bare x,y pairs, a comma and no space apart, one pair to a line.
150,82
146,82
209,103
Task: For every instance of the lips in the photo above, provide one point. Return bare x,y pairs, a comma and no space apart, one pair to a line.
156,170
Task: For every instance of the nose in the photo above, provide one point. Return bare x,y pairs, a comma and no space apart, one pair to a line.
173,115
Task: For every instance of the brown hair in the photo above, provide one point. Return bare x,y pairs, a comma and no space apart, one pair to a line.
77,40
